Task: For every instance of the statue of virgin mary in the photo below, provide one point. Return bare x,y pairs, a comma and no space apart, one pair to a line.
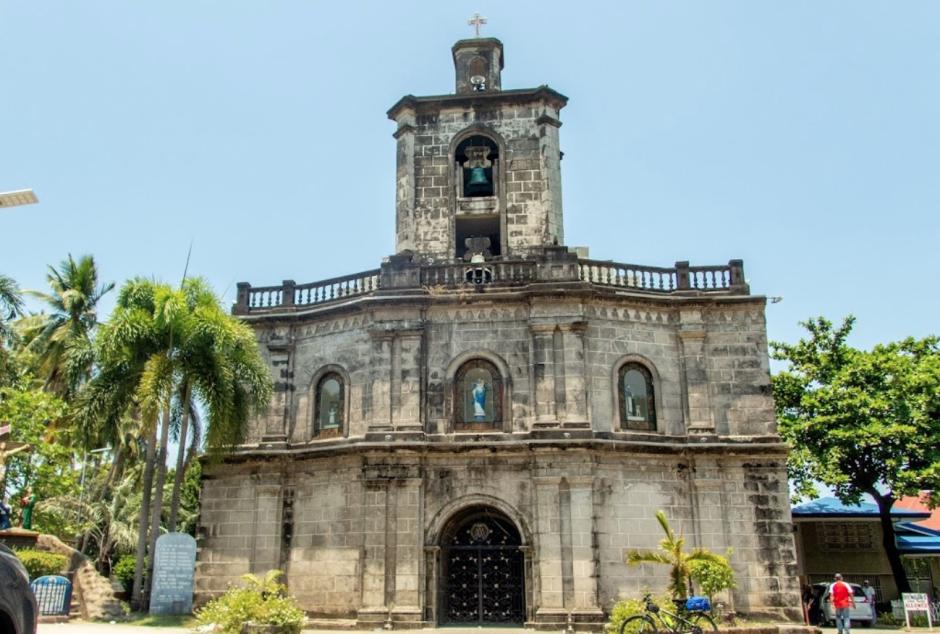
479,400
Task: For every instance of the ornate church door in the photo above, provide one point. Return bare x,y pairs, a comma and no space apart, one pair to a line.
483,570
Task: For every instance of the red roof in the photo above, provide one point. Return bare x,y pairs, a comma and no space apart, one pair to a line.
919,503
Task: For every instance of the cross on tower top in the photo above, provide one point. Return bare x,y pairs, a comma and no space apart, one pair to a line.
476,22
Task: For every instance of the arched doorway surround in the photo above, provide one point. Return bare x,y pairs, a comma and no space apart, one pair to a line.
482,571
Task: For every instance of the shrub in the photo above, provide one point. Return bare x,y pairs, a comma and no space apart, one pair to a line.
263,601
39,563
713,576
626,608
123,571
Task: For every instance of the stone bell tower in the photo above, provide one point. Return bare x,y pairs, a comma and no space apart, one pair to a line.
478,171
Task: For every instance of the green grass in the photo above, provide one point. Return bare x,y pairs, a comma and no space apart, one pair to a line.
161,621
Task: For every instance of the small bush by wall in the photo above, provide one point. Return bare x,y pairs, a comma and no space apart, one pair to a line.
123,571
263,602
39,563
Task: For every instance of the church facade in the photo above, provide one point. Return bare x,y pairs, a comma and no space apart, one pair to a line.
478,430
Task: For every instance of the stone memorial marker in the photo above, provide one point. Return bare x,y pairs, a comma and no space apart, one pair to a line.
173,568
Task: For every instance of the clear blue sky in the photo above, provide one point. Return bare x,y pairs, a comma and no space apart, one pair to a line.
801,136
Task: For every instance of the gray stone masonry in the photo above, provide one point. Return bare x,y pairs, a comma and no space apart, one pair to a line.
367,505
359,515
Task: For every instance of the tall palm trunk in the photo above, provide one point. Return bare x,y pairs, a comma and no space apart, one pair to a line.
143,520
116,468
157,506
181,463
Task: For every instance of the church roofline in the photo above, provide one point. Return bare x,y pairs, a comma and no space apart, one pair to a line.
520,95
557,270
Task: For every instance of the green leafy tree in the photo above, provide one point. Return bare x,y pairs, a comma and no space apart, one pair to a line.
713,575
48,467
861,421
672,553
59,342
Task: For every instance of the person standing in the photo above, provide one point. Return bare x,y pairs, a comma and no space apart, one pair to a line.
869,592
27,503
843,600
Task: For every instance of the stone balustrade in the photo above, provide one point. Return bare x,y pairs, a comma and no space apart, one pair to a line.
558,265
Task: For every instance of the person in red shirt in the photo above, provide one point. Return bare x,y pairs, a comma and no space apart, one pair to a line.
843,600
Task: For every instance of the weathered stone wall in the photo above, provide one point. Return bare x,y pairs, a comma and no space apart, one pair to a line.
559,359
529,188
365,529
353,520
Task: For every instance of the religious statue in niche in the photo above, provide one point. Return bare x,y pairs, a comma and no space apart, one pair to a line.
629,402
636,397
479,400
330,403
478,392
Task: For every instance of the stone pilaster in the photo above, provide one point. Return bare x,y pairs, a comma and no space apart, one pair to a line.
575,375
405,597
266,525
407,412
696,405
280,353
559,372
405,181
583,549
375,546
550,601
543,373
380,418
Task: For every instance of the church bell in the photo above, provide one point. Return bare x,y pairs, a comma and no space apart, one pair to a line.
478,180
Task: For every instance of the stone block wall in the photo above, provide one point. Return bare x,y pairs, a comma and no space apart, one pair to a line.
366,527
529,178
559,360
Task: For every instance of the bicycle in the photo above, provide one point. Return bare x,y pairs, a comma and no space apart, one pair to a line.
694,622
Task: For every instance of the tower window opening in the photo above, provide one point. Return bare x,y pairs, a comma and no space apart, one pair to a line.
477,160
471,227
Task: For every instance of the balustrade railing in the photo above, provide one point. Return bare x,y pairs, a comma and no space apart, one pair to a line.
649,278
337,288
264,297
458,275
723,277
476,273
289,294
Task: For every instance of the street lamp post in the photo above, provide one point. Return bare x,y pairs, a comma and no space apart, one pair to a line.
18,197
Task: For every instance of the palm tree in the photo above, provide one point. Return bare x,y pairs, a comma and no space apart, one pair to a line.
672,553
11,307
61,340
11,300
165,349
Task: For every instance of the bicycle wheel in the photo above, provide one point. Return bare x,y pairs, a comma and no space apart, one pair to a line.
702,623
638,624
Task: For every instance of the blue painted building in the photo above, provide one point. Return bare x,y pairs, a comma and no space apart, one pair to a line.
834,537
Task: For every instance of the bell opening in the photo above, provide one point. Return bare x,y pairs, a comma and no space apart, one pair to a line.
477,158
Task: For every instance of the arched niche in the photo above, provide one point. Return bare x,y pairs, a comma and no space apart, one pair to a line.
629,413
453,400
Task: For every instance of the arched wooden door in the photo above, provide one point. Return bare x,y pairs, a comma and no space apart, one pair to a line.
483,570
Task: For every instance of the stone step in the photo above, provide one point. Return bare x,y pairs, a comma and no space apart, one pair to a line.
319,625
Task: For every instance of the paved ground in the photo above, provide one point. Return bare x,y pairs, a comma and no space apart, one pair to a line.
105,628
